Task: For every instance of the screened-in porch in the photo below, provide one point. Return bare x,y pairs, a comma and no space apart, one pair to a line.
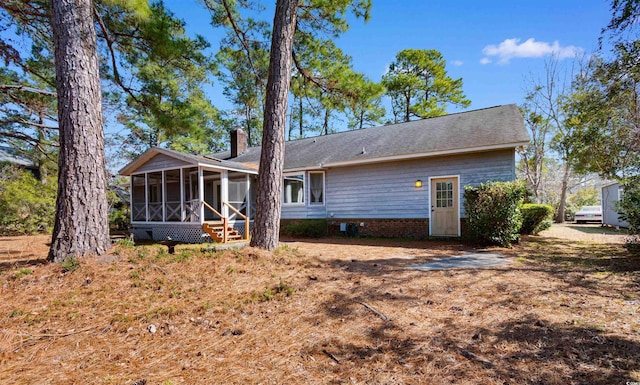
190,195
212,199
191,203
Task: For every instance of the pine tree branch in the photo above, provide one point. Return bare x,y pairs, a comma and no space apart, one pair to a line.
25,137
26,89
110,42
307,75
242,37
29,123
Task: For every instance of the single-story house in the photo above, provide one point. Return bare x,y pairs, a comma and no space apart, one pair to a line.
9,155
611,195
399,180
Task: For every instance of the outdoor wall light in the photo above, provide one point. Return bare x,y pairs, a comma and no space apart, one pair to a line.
418,183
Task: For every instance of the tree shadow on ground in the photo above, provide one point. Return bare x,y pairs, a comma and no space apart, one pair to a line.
596,229
554,253
444,346
29,260
385,242
523,351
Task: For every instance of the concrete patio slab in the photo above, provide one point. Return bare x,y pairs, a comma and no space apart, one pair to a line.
466,261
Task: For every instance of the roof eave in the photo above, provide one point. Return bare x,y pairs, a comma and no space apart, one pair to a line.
390,158
226,168
130,169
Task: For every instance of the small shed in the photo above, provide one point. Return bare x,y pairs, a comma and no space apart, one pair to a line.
611,195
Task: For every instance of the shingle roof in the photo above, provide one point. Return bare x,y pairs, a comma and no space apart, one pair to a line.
192,159
489,128
9,155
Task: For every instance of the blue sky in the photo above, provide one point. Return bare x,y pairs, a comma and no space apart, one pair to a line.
494,46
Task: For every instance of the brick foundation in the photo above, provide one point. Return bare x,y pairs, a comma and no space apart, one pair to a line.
417,228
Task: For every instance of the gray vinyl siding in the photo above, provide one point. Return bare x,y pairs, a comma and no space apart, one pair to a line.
386,190
610,198
161,162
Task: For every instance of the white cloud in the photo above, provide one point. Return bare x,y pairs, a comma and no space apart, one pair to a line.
512,48
457,63
485,60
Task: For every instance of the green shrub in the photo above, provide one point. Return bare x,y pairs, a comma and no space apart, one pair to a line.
310,228
492,212
535,218
27,205
629,209
119,218
119,213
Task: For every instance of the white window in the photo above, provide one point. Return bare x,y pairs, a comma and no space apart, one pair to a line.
293,189
316,188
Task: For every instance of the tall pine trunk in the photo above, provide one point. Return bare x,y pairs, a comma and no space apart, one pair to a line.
269,199
81,225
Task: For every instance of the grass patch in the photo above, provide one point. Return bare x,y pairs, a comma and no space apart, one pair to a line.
69,264
280,291
23,273
125,242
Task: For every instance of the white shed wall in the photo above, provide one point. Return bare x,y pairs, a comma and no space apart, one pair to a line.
610,198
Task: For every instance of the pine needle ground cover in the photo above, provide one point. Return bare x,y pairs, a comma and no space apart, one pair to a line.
566,311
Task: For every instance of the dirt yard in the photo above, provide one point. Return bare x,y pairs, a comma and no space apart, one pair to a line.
332,311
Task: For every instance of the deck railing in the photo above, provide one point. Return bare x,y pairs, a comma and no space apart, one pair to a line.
172,211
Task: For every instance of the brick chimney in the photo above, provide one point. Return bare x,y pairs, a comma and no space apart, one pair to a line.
238,142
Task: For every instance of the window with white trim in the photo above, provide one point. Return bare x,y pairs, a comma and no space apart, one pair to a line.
316,188
293,187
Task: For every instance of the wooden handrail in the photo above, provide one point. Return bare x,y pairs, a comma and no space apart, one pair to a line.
235,210
212,209
241,215
224,220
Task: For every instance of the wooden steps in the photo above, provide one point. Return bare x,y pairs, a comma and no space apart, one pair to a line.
216,231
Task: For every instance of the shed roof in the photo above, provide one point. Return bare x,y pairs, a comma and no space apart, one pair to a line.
491,128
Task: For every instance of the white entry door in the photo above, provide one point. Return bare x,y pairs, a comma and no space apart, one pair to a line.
445,220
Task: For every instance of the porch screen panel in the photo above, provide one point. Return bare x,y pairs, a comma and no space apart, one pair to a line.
191,200
154,180
238,196
138,208
172,202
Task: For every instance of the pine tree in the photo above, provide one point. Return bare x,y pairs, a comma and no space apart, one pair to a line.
81,225
419,86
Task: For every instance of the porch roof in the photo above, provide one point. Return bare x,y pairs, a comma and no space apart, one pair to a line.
187,160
